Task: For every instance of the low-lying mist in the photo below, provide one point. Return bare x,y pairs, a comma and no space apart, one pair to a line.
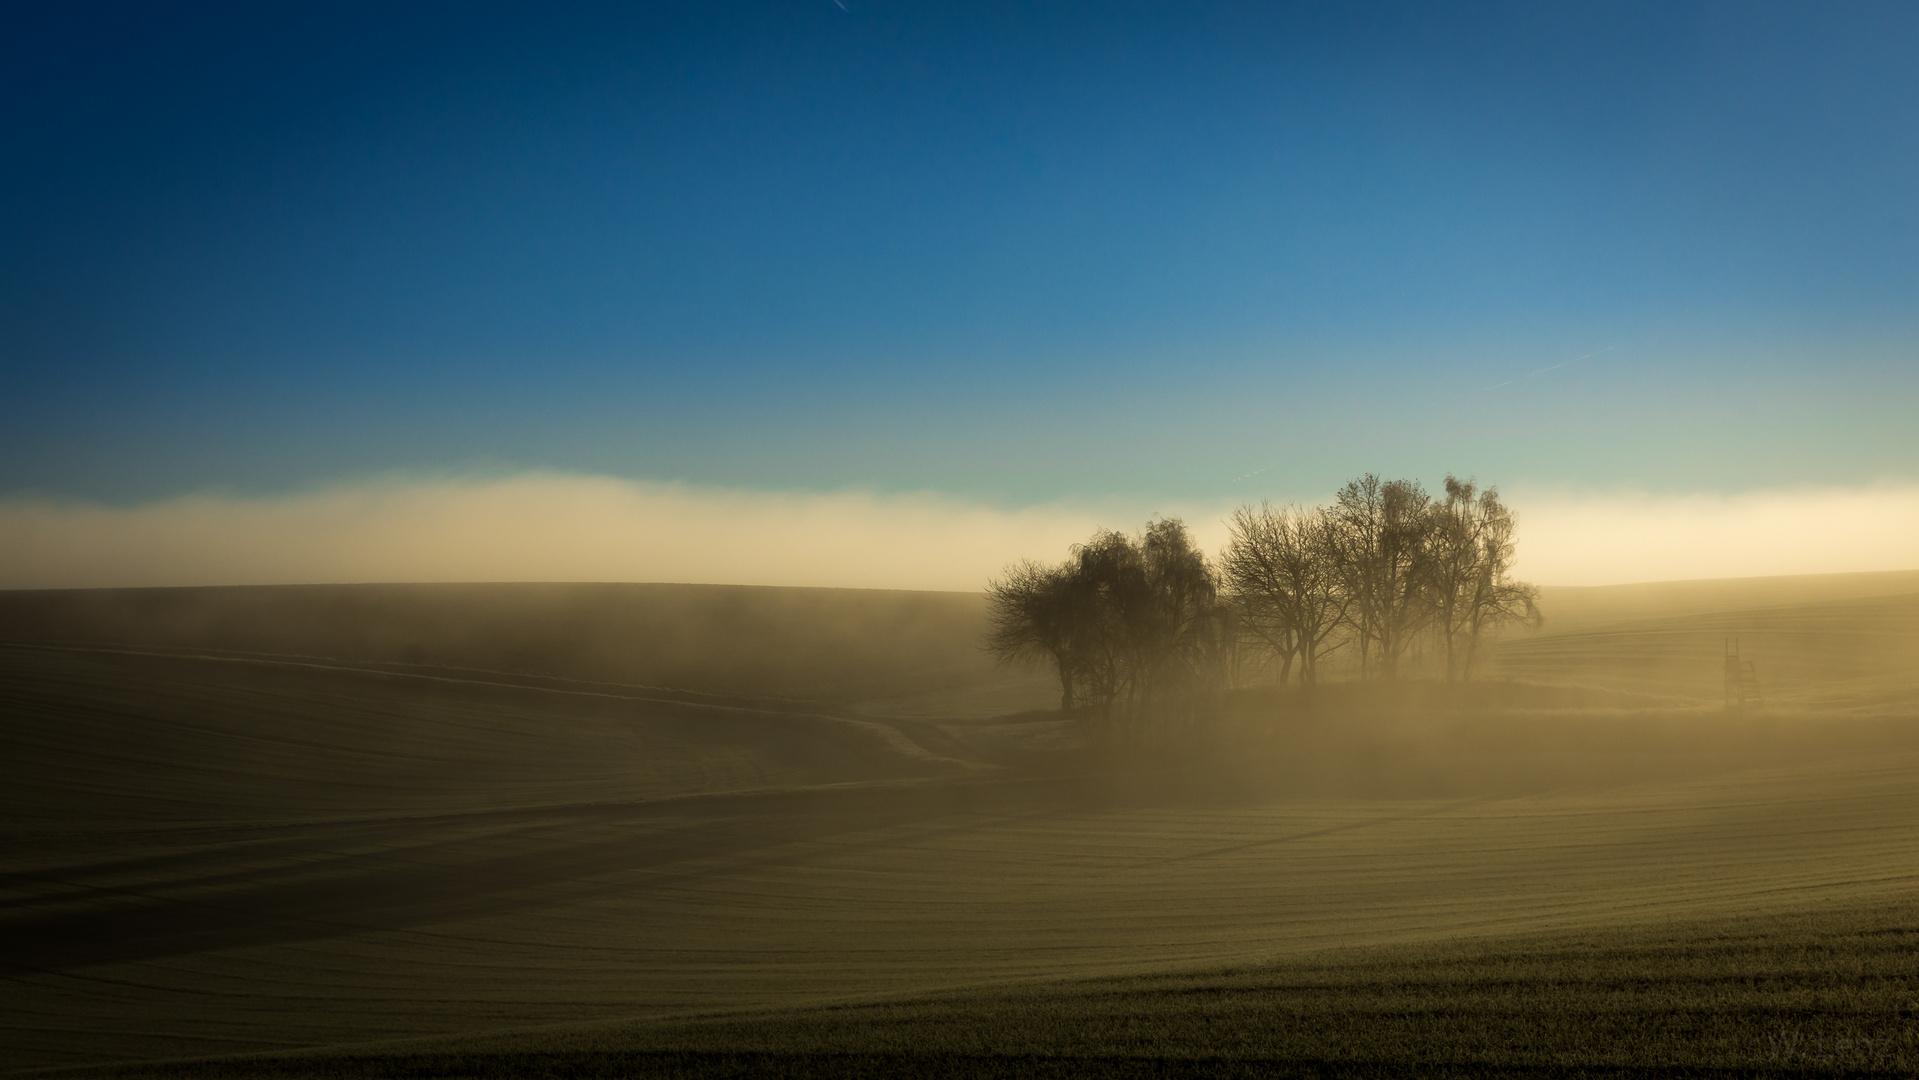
549,527
1423,739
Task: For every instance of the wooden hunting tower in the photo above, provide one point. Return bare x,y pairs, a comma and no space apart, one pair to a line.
1742,682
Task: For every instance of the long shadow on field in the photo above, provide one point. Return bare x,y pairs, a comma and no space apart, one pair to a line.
417,871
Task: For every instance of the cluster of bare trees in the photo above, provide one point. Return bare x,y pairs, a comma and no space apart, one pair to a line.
1386,567
1124,621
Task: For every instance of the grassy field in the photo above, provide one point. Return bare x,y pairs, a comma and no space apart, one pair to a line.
1823,993
224,862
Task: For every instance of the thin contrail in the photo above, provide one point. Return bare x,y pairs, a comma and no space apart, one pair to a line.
1541,371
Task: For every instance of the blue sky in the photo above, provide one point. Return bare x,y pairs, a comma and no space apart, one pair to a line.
1013,253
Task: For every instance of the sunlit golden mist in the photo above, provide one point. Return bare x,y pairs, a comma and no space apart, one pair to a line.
543,527
1571,539
527,528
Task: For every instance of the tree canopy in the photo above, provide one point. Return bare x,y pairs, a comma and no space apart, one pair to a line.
1129,621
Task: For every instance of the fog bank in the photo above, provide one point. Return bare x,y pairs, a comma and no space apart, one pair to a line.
535,527
1575,539
544,527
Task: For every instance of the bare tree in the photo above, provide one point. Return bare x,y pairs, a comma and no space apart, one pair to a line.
1179,628
1032,618
1469,572
1281,566
1452,568
1108,586
1383,530
1125,621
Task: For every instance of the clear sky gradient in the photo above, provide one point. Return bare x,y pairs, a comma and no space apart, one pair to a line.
1009,253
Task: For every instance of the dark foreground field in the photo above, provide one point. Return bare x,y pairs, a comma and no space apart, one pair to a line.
222,862
1821,992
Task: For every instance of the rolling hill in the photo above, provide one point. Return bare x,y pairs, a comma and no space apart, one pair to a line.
822,644
412,863
1865,650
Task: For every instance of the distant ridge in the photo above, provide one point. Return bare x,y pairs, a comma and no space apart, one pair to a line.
1577,608
1841,655
811,643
